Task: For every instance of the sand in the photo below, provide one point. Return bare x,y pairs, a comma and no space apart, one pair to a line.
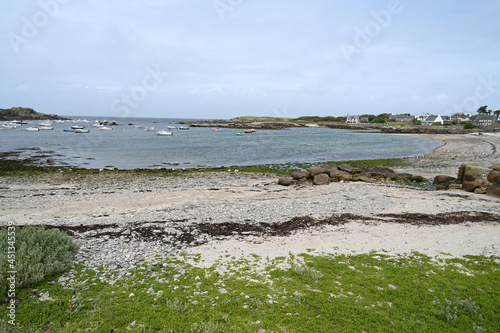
104,199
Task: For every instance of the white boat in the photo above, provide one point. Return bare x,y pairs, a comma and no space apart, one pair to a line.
183,128
10,126
171,127
151,129
32,129
77,127
164,133
97,125
46,127
106,128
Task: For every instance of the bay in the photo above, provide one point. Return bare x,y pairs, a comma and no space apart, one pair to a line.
128,147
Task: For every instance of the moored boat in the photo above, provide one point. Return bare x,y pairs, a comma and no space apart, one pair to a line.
82,131
164,133
106,128
32,129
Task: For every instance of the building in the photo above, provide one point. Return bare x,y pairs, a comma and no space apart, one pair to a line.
484,120
432,119
352,119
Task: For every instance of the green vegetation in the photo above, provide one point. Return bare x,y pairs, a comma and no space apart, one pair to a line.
468,125
38,253
349,293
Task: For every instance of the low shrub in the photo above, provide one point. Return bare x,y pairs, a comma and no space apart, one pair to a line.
39,253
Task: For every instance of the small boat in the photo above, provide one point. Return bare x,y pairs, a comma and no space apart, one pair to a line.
171,127
150,129
68,130
20,122
106,128
183,128
10,126
239,133
97,125
82,131
45,127
77,127
164,133
249,131
32,129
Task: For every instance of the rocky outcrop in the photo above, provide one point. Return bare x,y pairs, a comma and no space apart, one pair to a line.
20,113
479,178
323,175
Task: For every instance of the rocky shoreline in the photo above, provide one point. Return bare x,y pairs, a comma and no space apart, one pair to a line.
21,113
123,220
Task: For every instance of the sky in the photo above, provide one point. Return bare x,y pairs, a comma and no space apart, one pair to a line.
207,59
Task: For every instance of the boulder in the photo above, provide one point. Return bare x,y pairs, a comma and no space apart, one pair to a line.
404,176
475,174
469,186
462,170
494,176
442,179
340,175
493,190
384,172
418,179
347,168
321,179
287,181
317,171
300,174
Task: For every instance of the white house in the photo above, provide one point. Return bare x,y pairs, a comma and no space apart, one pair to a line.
432,119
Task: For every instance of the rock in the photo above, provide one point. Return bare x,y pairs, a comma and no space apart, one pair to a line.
454,186
441,187
365,179
469,186
442,179
493,190
287,181
494,176
347,168
462,170
474,174
321,179
317,171
340,175
418,179
385,172
300,174
404,176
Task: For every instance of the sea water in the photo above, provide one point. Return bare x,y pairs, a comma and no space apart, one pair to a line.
128,147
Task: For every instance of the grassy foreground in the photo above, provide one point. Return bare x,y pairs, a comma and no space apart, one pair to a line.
330,293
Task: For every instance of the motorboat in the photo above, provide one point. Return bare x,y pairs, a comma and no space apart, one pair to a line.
172,127
183,128
9,126
45,127
77,127
164,133
32,129
150,129
106,128
68,130
82,131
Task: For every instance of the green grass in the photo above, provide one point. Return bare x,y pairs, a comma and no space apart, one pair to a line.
347,293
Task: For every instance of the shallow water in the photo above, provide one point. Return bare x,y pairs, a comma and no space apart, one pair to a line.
127,147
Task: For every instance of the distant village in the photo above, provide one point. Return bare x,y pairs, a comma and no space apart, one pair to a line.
484,119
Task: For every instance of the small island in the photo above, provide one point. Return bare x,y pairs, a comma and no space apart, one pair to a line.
23,113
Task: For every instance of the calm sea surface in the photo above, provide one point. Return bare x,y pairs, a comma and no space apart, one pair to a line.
127,147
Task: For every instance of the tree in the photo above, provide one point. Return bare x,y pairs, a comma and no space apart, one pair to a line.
483,110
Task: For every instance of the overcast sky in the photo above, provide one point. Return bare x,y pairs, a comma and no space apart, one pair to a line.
228,58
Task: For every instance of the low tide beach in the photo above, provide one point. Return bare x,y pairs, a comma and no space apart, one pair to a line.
123,220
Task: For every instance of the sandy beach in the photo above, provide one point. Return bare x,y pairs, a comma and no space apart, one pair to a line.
125,220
